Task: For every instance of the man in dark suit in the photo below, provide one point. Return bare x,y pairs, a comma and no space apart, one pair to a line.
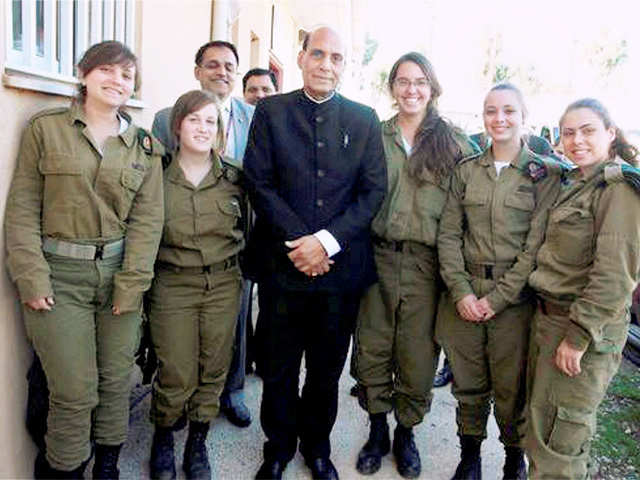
316,177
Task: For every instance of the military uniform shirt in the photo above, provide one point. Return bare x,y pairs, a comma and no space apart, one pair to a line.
590,255
65,188
411,210
497,221
202,223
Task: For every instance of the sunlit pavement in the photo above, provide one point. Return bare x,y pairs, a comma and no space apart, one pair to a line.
236,453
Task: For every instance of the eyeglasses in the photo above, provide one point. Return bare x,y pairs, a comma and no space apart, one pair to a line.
215,65
406,83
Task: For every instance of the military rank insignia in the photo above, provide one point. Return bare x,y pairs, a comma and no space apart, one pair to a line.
145,141
537,171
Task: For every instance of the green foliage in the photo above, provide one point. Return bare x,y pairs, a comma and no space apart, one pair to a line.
370,48
615,447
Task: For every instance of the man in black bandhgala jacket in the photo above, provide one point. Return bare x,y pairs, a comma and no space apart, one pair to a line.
316,177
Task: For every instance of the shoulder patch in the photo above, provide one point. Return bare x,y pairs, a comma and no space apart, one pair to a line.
150,145
230,172
540,167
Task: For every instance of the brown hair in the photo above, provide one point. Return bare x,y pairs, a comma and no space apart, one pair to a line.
190,102
106,53
620,145
435,147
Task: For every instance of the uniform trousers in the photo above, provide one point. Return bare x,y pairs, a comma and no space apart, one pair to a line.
192,318
233,392
318,325
396,356
87,355
561,418
488,361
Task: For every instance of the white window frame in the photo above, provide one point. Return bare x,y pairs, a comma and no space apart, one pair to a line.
95,21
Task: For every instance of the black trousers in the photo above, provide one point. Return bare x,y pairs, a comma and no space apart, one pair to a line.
290,324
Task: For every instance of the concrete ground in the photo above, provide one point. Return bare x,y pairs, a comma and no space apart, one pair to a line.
236,453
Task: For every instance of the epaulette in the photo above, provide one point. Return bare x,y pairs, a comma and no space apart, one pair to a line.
621,172
150,145
539,167
49,111
469,157
230,172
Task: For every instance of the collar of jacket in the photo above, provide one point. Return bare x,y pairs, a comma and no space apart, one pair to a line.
175,174
77,115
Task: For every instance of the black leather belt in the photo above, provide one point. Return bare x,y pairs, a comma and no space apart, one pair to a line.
213,268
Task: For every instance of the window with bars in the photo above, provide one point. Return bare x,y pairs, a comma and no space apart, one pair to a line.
46,38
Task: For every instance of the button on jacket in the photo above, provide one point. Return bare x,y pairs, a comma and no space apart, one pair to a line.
310,167
202,224
65,187
411,210
590,255
496,221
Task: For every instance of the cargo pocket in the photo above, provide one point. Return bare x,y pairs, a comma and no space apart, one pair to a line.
130,181
572,429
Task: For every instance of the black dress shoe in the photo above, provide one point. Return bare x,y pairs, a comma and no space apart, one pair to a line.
444,376
237,414
322,469
271,470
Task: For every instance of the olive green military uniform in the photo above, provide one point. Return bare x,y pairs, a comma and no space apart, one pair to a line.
490,231
195,295
396,355
83,225
586,271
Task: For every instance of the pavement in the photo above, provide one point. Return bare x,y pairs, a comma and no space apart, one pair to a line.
236,453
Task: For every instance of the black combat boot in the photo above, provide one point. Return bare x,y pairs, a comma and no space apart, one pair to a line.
162,465
196,459
514,466
378,445
106,465
42,470
470,466
406,453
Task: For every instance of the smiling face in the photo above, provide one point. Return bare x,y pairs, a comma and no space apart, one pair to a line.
411,90
197,132
503,116
585,139
217,71
110,85
322,63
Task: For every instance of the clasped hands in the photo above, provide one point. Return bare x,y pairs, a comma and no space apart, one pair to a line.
473,310
309,256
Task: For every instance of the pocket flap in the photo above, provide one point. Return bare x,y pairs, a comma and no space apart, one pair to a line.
131,179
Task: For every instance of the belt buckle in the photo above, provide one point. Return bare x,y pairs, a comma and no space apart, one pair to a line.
99,254
206,269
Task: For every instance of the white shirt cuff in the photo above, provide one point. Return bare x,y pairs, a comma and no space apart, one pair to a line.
328,241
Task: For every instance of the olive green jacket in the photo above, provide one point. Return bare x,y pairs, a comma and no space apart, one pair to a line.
496,221
411,209
64,188
590,258
202,224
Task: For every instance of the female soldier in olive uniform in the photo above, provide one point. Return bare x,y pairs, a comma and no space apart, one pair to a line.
586,270
396,356
195,295
490,231
83,223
